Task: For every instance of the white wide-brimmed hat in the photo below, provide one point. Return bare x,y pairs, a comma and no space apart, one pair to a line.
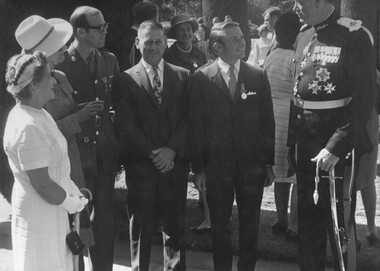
38,34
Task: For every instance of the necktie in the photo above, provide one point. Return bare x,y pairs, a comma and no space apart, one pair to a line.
91,62
232,82
157,85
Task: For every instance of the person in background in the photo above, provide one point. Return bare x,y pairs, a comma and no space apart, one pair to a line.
231,133
366,176
215,20
334,95
227,18
202,43
271,16
261,47
278,66
150,116
182,53
33,35
141,11
90,71
43,192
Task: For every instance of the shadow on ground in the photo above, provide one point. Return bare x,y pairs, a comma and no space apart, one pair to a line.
270,247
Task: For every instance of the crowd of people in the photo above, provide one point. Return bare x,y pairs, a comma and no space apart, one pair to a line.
302,114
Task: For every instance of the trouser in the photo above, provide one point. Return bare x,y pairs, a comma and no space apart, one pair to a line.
315,221
313,131
153,200
220,197
100,178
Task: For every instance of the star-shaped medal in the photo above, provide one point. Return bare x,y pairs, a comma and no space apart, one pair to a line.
315,87
323,74
329,88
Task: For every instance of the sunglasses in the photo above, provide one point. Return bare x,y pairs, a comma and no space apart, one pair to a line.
101,28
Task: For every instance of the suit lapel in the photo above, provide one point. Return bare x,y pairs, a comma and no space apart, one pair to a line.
169,75
242,73
219,81
143,81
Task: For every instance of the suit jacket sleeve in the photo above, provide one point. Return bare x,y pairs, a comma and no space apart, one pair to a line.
361,74
267,123
178,141
197,125
135,142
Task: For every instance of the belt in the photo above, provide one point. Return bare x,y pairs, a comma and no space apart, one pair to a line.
321,104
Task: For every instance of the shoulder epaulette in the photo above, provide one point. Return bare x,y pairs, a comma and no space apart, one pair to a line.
305,27
352,25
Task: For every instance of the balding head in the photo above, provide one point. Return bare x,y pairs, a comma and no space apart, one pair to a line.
81,15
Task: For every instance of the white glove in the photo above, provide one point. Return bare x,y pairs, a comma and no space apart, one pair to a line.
74,203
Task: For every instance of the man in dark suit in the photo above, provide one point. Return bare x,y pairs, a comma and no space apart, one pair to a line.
90,71
231,143
150,105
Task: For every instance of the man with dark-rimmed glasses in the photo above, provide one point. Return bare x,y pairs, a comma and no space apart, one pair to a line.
90,70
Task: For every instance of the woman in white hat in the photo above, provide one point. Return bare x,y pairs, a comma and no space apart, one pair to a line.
182,53
50,36
43,192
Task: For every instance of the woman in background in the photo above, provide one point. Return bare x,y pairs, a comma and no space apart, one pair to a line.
278,67
261,47
182,53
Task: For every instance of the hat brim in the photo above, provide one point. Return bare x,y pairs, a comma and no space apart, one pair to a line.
171,33
60,35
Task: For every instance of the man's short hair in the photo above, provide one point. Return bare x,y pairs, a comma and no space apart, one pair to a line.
79,17
144,11
150,25
218,32
273,11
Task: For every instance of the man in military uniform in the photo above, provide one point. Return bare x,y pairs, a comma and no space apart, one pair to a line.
90,71
334,93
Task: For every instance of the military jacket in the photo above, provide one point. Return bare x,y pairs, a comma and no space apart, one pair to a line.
335,60
90,86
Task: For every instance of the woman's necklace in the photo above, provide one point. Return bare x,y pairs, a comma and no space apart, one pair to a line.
183,50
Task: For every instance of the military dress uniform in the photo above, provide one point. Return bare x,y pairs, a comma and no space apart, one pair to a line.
99,148
334,93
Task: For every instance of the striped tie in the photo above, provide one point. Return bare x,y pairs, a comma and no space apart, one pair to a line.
157,85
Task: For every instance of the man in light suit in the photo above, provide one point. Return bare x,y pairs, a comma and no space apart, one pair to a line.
231,128
149,105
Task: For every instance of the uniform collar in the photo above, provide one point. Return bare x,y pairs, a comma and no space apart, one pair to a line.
83,52
331,19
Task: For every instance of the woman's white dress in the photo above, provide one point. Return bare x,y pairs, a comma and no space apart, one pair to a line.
278,68
31,141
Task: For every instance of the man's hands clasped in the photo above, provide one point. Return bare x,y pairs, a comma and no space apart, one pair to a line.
163,159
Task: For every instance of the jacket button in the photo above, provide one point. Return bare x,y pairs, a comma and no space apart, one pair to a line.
96,81
298,116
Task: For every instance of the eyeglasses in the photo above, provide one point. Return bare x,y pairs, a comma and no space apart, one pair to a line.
101,28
